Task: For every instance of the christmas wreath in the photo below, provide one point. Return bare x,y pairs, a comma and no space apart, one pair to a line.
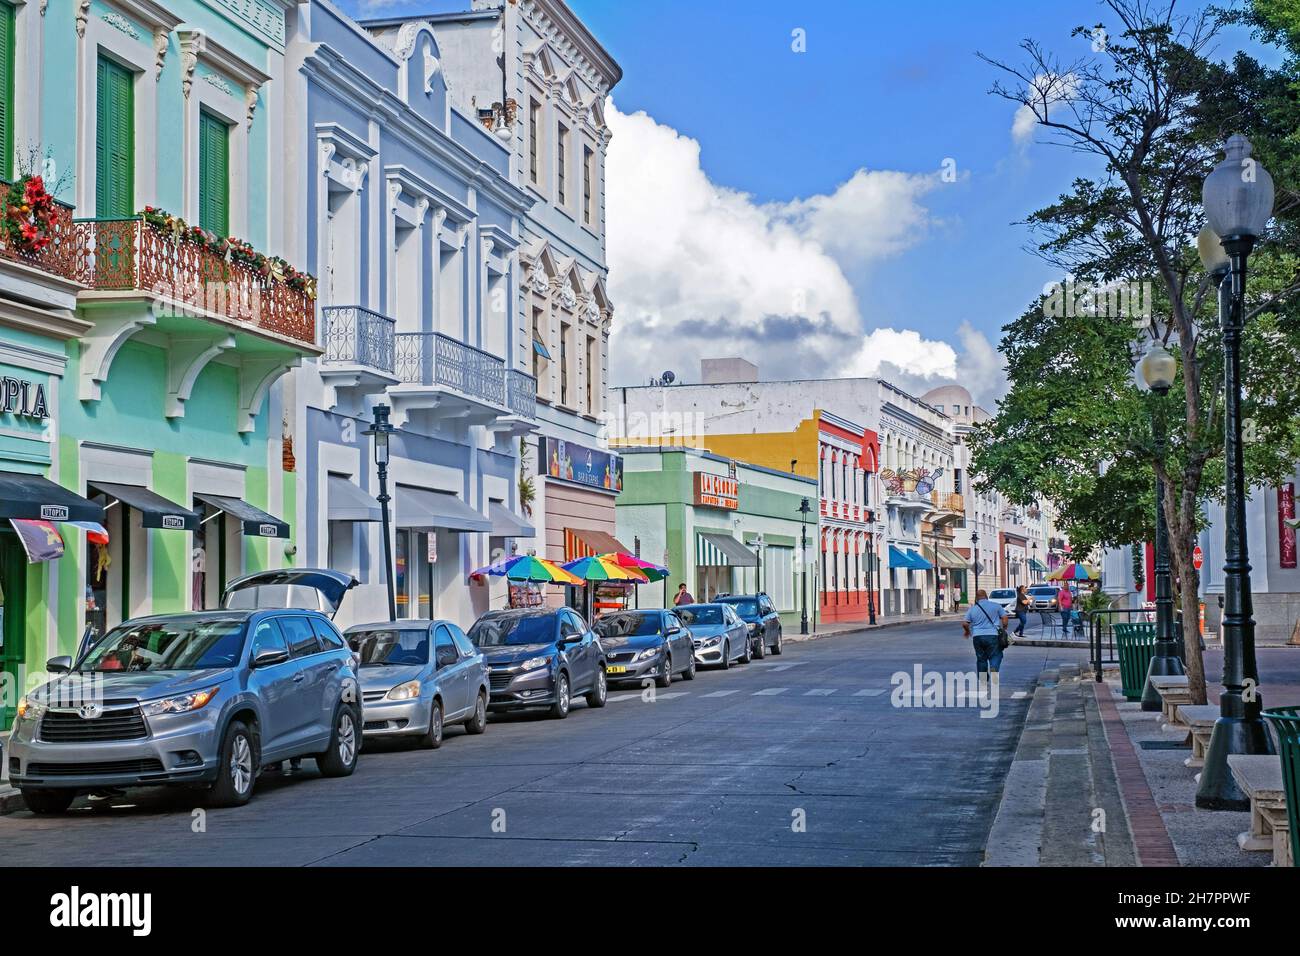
28,215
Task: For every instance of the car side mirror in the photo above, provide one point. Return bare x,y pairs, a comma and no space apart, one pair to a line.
567,639
674,630
269,656
59,665
446,658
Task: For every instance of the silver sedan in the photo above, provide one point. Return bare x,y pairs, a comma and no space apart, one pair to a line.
720,635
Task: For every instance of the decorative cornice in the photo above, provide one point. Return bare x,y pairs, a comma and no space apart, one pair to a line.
159,51
192,43
83,17
218,84
121,24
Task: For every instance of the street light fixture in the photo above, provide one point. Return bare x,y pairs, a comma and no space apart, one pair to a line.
934,540
975,549
380,432
1238,200
1157,369
803,554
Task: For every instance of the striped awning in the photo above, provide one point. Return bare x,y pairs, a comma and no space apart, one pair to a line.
948,558
587,542
716,550
1036,565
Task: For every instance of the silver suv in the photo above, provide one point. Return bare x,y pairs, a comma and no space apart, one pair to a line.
203,698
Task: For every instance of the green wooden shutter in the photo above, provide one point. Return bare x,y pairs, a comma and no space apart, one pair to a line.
214,174
115,142
6,91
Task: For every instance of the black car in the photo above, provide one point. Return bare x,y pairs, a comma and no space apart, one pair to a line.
760,617
652,643
540,657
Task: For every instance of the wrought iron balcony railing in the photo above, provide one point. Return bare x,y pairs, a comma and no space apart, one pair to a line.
521,393
129,254
948,501
355,335
62,257
431,358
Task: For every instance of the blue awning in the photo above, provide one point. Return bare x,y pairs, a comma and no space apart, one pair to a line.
898,559
908,560
918,563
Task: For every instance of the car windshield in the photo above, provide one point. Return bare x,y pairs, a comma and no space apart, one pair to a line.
701,615
1002,594
747,608
513,630
391,646
628,624
182,643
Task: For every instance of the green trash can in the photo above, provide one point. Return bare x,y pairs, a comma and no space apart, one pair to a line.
1137,645
1286,722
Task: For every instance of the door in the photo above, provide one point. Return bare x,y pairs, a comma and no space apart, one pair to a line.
471,663
452,673
114,141
285,704
680,644
313,670
581,655
13,606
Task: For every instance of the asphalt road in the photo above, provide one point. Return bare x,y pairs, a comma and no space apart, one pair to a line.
793,760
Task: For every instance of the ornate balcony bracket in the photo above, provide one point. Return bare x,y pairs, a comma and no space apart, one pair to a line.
100,345
513,425
256,376
186,358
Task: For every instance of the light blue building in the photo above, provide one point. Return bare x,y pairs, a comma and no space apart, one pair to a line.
402,204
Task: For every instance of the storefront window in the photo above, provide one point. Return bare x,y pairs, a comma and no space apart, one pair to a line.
401,581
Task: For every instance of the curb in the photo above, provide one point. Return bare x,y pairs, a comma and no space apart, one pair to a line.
864,629
10,800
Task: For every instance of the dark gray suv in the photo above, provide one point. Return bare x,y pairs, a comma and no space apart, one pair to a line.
204,698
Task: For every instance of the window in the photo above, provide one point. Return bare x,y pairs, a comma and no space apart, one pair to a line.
534,136
268,635
302,639
325,633
462,642
114,141
564,363
956,481
540,352
214,174
6,91
444,649
593,376
561,171
588,176
570,626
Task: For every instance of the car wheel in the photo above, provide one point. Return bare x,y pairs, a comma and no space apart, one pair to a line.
340,757
726,656
41,801
665,678
760,649
478,723
776,648
236,767
599,693
689,673
560,709
749,650
432,738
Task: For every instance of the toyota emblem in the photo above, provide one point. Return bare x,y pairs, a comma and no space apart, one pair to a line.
90,711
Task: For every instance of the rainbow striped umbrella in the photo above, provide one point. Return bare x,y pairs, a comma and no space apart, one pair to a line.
601,568
528,567
1074,571
652,571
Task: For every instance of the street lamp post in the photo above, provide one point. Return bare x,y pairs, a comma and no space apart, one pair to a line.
871,589
1033,569
380,431
1158,369
1238,200
803,554
975,547
934,540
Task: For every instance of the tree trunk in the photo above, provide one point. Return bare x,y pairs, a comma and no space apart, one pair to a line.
1182,540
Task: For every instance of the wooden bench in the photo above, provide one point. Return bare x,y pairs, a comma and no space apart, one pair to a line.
1199,720
1260,778
1173,691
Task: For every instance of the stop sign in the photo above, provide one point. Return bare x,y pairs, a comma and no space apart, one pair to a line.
1198,557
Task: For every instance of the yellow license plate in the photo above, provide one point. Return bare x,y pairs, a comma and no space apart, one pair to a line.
616,670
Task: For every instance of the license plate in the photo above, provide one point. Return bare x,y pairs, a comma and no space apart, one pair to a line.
616,669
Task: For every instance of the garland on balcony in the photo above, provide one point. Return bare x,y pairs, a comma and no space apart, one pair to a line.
269,268
28,215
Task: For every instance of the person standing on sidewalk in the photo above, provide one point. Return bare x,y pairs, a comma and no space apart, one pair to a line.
1065,601
1022,610
982,625
682,596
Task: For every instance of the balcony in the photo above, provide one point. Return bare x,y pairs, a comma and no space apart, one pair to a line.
42,286
949,502
521,393
438,373
199,303
359,352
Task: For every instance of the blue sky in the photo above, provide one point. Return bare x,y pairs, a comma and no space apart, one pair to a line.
882,87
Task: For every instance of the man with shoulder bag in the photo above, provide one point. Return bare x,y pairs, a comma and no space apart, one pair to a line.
985,625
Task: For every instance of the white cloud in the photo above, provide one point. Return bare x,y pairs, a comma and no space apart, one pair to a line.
1053,88
698,270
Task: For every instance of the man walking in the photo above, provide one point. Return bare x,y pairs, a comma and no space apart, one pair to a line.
682,596
1022,610
981,625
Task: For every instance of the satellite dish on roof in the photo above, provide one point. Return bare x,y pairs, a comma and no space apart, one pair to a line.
668,377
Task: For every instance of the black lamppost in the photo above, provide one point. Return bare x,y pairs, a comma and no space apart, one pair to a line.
803,555
871,588
1238,200
1158,369
975,548
1034,563
380,431
934,540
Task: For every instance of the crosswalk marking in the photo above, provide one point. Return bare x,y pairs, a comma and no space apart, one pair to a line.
870,692
672,694
615,698
721,693
1020,695
770,691
820,692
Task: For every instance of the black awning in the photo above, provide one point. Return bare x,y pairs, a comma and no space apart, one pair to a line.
33,498
257,523
155,510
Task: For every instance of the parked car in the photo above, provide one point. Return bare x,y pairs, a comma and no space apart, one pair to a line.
641,644
759,615
720,635
540,657
1042,596
1006,597
419,677
206,698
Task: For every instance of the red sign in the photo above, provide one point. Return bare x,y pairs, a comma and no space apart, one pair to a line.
1198,557
1285,532
716,491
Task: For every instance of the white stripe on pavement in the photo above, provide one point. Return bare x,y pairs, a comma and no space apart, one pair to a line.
1020,695
820,692
672,694
615,698
769,691
871,692
720,693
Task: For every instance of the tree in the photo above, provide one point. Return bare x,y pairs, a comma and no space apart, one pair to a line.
1151,107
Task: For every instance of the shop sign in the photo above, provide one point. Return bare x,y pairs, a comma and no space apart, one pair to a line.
267,530
23,399
175,522
590,467
1285,527
716,491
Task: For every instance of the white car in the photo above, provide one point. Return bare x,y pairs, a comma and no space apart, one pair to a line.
1006,597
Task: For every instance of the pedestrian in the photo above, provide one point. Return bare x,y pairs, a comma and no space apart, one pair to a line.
983,626
1022,610
682,596
1065,602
